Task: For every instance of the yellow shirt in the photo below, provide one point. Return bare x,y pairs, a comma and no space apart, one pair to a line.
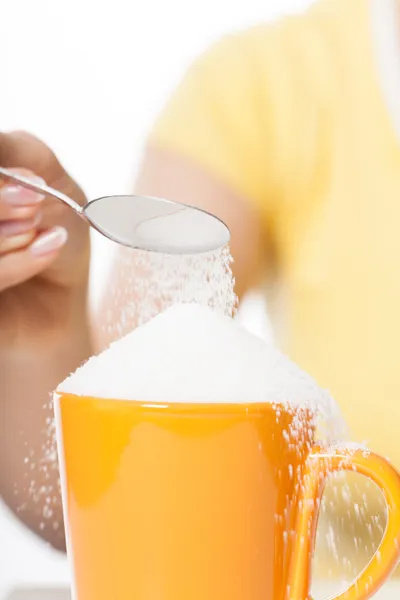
292,115
300,118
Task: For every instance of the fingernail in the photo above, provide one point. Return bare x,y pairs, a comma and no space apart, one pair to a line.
50,241
11,228
17,195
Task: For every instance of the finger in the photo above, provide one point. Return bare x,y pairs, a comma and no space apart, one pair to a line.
15,235
16,242
49,241
11,228
18,267
12,194
10,213
21,148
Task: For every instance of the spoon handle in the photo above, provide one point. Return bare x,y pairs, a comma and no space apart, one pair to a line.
40,188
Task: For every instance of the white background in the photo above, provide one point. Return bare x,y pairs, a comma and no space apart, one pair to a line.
88,77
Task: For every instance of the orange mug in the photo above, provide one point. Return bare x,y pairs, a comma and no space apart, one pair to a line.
195,502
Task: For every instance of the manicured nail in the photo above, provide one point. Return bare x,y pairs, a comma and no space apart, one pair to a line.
50,241
19,196
11,228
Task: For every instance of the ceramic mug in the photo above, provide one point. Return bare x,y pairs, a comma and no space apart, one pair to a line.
195,502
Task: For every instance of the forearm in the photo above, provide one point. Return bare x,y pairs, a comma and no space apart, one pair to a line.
29,480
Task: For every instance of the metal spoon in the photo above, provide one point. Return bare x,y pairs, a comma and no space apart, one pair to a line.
141,222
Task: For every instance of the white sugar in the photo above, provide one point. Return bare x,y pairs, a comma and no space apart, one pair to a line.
193,354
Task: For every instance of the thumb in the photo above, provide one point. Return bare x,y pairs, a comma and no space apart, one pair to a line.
21,149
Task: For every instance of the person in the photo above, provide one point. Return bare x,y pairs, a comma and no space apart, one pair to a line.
289,132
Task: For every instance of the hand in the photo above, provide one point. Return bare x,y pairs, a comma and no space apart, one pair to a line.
44,246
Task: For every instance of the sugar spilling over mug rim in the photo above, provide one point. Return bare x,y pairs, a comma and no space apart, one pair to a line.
190,354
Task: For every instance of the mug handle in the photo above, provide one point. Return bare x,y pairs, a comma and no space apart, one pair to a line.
319,464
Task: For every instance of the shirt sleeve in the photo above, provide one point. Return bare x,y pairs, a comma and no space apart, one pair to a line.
220,117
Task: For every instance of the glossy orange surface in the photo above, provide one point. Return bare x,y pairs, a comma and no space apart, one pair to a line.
186,502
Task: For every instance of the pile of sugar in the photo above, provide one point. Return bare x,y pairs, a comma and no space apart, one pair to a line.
193,354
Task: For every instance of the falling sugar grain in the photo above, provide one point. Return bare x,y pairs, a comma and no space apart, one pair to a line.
141,285
236,367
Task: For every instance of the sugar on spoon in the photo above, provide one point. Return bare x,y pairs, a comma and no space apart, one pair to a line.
142,222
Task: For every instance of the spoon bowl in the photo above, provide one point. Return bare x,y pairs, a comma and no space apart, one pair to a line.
142,222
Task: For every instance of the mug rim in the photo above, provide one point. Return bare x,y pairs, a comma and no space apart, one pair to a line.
221,408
